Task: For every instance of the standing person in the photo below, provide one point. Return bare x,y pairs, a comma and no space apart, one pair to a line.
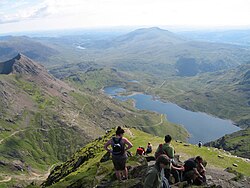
119,145
168,149
194,171
200,144
155,176
149,148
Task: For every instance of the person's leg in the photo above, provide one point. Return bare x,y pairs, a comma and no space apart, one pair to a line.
189,176
176,175
126,173
118,175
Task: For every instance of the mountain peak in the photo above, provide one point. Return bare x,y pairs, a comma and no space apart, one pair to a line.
20,64
150,34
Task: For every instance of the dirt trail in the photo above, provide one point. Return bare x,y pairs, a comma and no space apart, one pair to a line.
14,133
157,124
7,179
31,177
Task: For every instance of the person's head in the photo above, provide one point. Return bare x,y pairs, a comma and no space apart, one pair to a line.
119,131
168,138
163,161
149,143
198,159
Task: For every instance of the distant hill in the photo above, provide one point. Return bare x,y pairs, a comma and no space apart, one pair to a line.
153,51
240,36
10,46
148,36
156,51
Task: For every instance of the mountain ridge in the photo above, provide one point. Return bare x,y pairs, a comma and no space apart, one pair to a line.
20,64
44,120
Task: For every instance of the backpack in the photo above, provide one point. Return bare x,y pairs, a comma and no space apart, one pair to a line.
159,151
117,147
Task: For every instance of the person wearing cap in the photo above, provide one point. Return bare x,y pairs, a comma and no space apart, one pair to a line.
155,175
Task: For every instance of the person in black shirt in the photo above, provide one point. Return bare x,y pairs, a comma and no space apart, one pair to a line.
194,171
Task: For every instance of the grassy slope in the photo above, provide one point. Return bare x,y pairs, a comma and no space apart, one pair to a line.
52,129
220,94
93,168
237,143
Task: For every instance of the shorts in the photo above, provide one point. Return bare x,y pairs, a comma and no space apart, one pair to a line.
119,162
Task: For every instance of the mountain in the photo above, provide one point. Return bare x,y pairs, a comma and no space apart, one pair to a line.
21,65
224,93
92,167
43,120
237,143
11,45
157,52
240,36
148,36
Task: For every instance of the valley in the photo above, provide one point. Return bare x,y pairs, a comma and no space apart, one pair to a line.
52,101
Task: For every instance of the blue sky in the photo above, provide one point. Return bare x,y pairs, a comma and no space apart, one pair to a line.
28,15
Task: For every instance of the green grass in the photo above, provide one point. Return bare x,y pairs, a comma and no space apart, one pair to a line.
91,172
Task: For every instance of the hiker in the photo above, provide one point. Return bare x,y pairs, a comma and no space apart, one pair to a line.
155,176
149,148
167,149
199,144
194,172
119,145
140,151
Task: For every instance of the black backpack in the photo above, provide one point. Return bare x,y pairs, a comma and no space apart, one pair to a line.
117,147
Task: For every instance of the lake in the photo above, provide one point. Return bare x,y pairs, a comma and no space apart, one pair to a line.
201,126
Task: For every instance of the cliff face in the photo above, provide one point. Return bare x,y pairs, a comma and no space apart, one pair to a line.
20,64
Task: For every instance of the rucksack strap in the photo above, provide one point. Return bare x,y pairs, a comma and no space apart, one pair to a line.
116,142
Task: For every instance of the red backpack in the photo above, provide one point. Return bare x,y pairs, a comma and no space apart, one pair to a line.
159,151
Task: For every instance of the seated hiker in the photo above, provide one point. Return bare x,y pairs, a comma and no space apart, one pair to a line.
140,151
119,145
194,172
155,176
149,148
168,150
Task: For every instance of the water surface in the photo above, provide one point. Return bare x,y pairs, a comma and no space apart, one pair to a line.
201,126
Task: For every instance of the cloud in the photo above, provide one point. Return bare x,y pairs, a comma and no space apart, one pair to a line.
23,11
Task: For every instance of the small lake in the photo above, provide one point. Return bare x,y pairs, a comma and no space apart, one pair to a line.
201,126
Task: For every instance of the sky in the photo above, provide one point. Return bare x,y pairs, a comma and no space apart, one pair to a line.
35,15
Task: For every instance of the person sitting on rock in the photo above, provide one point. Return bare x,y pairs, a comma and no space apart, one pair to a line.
168,149
119,145
140,151
149,148
155,176
194,172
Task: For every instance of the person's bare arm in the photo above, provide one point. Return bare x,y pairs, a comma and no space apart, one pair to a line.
128,143
106,146
202,168
197,173
178,168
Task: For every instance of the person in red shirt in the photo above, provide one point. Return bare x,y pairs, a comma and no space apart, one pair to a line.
140,151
